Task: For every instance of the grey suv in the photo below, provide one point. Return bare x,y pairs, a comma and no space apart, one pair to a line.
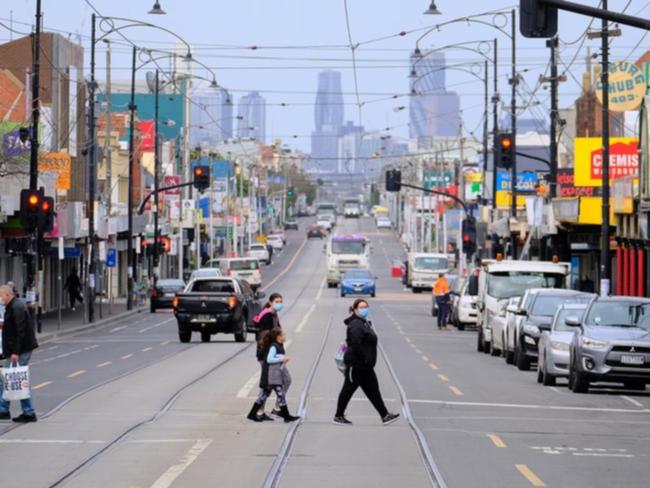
611,343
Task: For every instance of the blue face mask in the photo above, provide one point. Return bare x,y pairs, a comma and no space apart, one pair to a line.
363,313
278,306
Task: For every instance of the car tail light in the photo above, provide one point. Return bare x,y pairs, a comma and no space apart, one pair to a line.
232,301
175,302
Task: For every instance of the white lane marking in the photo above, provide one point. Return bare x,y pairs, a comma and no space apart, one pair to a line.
600,454
60,356
320,290
554,389
632,401
117,329
527,406
167,478
248,386
303,322
285,270
586,451
52,348
142,331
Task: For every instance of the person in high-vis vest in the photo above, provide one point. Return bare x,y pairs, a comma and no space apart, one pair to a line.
441,294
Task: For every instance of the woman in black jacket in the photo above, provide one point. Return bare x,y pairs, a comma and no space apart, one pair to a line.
360,359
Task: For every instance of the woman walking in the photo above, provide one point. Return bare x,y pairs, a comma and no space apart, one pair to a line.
360,359
275,361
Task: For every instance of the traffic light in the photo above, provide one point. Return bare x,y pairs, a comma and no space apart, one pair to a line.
290,192
469,236
30,209
201,178
46,215
537,19
504,150
393,180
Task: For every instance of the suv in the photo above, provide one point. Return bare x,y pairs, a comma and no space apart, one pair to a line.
532,317
260,252
611,343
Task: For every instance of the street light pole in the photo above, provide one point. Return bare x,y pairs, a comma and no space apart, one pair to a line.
156,177
513,123
132,161
553,45
495,128
604,77
90,295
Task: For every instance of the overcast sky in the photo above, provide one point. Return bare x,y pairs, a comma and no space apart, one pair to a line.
298,38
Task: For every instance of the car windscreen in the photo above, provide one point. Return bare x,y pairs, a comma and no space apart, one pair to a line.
259,247
562,315
247,264
208,286
206,273
364,275
348,247
507,284
431,263
619,314
170,284
546,305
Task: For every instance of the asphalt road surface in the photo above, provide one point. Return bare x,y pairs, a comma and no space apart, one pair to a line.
127,405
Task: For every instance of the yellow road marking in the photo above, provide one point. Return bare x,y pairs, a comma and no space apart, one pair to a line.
408,339
529,475
418,351
285,270
443,377
147,349
425,359
101,365
457,391
76,373
433,366
127,356
42,385
497,441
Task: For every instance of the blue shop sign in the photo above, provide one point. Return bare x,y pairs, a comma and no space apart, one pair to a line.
526,181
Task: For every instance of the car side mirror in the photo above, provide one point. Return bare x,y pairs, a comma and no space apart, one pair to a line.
572,321
260,294
472,286
513,309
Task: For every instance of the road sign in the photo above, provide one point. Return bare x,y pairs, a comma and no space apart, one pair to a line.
111,257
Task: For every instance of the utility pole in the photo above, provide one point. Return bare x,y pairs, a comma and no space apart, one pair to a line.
92,180
156,177
495,128
129,242
108,186
553,45
486,122
513,123
604,77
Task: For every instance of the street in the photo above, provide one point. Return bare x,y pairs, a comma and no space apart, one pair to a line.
128,405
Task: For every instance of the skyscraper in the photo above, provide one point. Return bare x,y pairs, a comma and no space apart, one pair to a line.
211,118
252,116
328,118
434,111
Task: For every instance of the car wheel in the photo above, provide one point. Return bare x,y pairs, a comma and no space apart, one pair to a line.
460,325
634,385
486,347
507,354
205,336
184,335
240,335
547,378
577,381
522,361
417,289
373,294
539,372
342,295
493,350
479,341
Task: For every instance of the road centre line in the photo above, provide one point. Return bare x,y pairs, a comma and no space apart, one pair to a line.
42,385
425,359
76,373
168,478
632,401
127,356
288,267
307,316
321,288
528,406
116,329
101,365
497,441
408,339
418,351
433,366
529,475
456,391
147,349
443,377
248,386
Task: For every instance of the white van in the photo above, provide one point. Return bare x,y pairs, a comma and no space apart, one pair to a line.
424,269
244,268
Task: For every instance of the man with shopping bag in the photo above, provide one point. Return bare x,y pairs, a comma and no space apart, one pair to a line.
18,342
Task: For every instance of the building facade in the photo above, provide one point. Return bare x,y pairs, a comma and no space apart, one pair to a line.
251,117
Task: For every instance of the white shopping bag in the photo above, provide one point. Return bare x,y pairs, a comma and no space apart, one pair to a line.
339,357
16,382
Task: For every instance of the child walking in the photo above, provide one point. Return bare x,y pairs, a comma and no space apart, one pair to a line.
271,379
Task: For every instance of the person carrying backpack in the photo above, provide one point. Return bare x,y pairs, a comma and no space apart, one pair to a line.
271,379
265,321
360,359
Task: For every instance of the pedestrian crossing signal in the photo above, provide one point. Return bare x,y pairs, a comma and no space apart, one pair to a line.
393,180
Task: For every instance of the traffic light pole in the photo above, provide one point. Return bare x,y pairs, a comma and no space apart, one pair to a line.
91,179
129,245
156,177
553,45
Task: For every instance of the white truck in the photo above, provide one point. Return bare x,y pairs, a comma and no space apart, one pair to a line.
500,280
424,269
345,252
352,208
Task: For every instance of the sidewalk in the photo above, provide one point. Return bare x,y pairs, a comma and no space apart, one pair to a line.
74,321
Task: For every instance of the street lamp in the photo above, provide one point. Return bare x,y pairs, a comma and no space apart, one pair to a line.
433,9
157,10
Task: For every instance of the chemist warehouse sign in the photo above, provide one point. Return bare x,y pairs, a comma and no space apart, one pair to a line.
623,159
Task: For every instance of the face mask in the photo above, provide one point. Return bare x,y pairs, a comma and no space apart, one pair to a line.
363,313
278,306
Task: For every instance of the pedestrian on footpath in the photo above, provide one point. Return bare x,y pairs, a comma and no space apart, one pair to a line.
271,379
265,321
360,359
73,285
18,342
441,295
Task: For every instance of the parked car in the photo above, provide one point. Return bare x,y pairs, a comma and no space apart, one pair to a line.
611,343
162,295
281,233
291,224
211,272
499,324
275,241
216,305
383,222
260,252
316,232
535,318
464,310
358,282
554,344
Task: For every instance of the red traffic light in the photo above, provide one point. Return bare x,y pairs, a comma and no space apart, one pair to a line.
45,207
